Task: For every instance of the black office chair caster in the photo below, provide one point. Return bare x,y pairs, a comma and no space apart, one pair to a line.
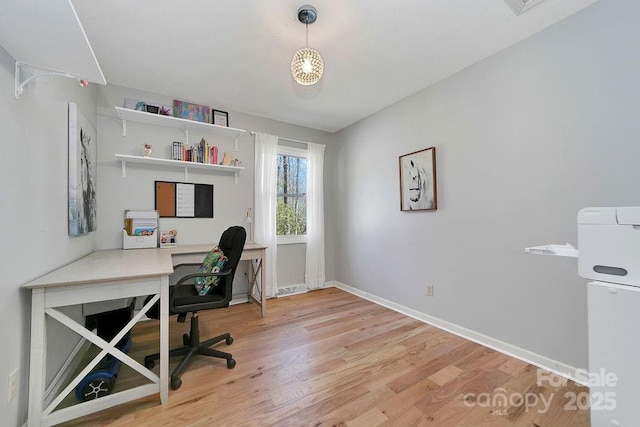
229,341
175,383
149,364
231,363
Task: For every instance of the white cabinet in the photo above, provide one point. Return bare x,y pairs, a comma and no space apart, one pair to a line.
614,353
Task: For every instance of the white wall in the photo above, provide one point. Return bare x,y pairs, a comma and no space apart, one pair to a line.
33,211
136,191
524,140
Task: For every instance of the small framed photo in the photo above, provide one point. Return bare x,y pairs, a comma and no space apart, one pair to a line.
153,109
418,180
220,118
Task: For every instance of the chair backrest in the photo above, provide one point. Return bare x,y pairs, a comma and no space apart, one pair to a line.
232,243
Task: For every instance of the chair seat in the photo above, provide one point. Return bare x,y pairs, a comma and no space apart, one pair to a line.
187,296
186,300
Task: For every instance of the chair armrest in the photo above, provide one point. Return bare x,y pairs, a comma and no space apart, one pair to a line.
194,275
188,264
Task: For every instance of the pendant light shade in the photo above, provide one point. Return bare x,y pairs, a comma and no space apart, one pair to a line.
307,65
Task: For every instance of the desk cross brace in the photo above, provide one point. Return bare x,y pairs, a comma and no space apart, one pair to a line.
107,348
255,292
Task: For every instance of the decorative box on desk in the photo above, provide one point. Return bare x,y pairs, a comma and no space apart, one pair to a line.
140,229
168,239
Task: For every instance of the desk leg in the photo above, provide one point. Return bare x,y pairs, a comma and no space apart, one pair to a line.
37,358
263,284
164,339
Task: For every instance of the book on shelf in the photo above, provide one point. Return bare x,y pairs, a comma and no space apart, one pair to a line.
201,153
214,155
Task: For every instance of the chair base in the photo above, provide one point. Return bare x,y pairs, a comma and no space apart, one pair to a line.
192,347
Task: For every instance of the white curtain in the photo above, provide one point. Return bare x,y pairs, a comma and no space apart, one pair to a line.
265,204
314,271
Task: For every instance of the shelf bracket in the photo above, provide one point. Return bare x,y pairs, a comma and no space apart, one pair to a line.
124,127
237,137
186,173
124,168
236,174
20,83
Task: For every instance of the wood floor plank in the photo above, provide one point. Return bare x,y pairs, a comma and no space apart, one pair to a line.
329,358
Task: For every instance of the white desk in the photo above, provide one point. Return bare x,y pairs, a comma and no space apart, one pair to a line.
100,276
251,252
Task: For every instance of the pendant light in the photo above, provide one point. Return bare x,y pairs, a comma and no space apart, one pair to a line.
307,65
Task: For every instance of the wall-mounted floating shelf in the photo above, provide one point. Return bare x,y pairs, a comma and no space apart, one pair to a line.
127,114
124,158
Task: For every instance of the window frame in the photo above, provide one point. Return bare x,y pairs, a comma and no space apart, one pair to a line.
285,150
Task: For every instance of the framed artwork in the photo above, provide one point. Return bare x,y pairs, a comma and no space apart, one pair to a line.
82,173
189,111
220,118
418,180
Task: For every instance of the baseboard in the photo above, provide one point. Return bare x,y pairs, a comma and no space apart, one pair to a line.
535,359
68,368
239,299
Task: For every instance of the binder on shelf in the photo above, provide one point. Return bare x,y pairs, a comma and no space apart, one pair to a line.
140,229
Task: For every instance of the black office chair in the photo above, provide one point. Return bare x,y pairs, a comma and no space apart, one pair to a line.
184,298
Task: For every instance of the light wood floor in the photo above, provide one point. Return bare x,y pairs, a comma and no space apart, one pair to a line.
328,358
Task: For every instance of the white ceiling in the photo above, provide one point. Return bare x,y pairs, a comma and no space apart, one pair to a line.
236,54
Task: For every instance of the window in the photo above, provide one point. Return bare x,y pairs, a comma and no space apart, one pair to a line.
291,214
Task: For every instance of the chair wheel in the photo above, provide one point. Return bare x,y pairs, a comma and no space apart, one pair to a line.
229,340
185,340
175,383
149,364
231,363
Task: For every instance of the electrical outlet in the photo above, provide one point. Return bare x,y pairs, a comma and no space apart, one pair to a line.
428,290
13,384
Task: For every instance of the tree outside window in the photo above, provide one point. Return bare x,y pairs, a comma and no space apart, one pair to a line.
291,215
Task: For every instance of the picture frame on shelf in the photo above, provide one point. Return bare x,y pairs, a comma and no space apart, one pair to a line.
220,118
190,111
153,109
135,104
418,180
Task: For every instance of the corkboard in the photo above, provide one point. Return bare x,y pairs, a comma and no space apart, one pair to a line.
172,197
166,198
